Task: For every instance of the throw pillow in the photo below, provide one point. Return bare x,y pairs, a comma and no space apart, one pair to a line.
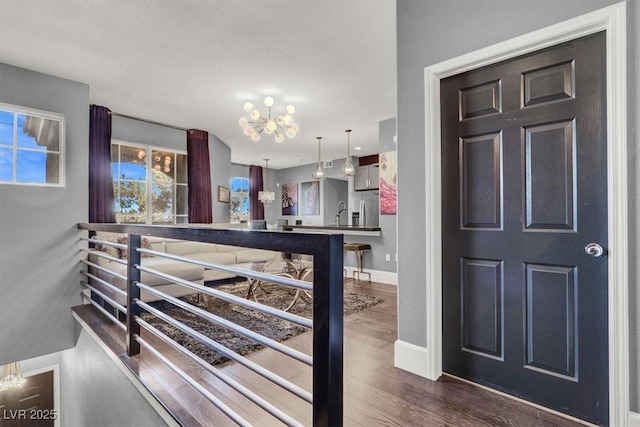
144,244
109,250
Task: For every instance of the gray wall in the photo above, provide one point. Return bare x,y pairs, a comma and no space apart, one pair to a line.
335,190
220,158
382,245
95,392
141,132
39,252
289,176
386,243
431,32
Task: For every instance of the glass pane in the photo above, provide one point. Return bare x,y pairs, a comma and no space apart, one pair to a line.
239,185
6,117
182,220
245,207
181,168
133,163
114,161
6,164
38,132
162,203
6,128
182,200
163,162
132,202
53,168
31,166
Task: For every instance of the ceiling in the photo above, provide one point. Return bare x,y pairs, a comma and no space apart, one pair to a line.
194,64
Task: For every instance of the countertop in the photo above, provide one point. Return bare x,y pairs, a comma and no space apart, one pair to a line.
344,229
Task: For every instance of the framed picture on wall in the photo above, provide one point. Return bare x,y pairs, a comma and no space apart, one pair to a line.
290,199
223,194
388,182
310,197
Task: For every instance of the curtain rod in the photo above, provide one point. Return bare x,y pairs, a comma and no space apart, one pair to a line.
126,116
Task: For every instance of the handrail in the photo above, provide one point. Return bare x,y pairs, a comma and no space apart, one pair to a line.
253,274
103,311
206,393
327,317
222,376
115,304
235,299
276,379
298,355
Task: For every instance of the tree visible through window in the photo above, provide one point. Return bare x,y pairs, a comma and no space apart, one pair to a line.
239,200
31,146
149,184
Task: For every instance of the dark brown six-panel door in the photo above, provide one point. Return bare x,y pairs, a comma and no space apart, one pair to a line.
524,192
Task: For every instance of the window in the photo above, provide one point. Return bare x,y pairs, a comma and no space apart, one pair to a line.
239,203
31,146
149,177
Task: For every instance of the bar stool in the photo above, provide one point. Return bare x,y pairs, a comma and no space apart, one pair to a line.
359,249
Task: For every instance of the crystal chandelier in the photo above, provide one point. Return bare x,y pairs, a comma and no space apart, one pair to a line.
348,169
266,197
258,123
11,377
318,172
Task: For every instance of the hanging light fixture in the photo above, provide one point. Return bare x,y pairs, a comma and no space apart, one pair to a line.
318,172
266,197
348,169
11,377
258,123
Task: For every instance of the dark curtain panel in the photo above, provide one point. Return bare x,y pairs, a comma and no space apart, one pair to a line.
256,208
199,180
101,203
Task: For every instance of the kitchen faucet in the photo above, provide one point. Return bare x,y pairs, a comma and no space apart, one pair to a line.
339,211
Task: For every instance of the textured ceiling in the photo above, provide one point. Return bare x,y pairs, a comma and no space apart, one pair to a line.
193,64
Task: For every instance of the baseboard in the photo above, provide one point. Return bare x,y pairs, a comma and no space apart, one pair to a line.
388,277
634,419
412,358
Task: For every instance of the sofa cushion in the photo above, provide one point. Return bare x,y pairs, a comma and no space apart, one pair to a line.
144,244
228,248
254,255
215,257
157,243
181,247
108,249
179,269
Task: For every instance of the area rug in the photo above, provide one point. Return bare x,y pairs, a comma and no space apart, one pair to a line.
269,326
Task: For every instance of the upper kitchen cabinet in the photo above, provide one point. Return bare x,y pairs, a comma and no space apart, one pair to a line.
366,178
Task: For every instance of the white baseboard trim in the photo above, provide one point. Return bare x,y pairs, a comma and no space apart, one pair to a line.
380,276
412,358
634,419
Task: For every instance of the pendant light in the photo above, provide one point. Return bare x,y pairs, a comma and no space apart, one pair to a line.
318,172
11,377
266,196
348,169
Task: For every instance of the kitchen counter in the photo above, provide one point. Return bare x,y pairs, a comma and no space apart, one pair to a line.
342,229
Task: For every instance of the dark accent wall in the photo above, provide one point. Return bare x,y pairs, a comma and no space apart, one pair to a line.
39,273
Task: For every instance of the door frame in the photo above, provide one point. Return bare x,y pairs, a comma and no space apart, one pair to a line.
611,19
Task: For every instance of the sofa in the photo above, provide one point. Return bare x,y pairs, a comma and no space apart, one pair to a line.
205,252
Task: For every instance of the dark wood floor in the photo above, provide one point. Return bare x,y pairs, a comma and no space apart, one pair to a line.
375,393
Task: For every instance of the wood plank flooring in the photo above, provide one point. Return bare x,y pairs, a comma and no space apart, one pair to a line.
375,393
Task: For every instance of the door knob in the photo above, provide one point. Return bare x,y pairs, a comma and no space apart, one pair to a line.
594,249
